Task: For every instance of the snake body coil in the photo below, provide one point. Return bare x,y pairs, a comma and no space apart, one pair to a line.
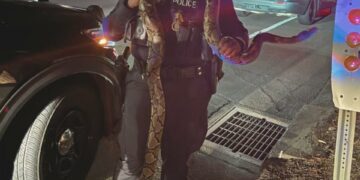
148,13
149,16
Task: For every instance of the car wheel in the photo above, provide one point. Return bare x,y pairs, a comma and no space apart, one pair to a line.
62,141
243,13
310,15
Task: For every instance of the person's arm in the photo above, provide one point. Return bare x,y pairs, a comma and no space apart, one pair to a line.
230,25
133,3
114,24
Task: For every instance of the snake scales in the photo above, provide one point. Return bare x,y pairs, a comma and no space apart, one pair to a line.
150,17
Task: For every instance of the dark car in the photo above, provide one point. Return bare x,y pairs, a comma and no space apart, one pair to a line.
308,11
60,91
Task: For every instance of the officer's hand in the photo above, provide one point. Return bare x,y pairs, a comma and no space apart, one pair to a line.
229,47
133,3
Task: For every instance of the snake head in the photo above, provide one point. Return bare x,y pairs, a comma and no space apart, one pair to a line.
307,34
155,56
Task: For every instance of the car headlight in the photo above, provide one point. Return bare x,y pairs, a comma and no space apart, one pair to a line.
98,36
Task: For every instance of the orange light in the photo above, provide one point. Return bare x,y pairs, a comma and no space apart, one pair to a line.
103,41
354,16
352,63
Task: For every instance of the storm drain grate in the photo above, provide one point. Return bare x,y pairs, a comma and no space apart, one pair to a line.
247,135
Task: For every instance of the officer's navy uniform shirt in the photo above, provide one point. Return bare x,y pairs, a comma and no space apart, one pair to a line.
182,49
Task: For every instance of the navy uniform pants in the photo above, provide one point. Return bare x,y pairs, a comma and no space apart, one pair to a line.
185,124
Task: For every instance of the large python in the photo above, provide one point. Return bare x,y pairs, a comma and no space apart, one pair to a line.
154,29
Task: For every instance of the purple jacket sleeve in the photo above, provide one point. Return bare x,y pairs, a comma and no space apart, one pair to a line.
114,24
230,25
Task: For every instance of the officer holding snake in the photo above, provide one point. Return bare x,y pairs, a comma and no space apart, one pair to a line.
189,74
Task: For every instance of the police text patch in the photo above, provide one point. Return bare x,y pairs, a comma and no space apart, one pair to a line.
186,3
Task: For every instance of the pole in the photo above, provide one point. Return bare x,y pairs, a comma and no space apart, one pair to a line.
344,144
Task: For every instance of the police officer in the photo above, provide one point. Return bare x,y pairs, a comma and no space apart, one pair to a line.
189,75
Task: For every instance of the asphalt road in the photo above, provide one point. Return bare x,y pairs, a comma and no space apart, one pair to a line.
282,82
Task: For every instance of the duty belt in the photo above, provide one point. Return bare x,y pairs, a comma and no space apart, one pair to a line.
176,73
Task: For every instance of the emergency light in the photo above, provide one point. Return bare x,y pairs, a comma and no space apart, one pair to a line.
353,39
345,56
354,16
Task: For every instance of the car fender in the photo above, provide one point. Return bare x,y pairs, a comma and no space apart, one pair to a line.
62,68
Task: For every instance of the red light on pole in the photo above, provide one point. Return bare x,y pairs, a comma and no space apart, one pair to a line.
352,63
353,39
354,16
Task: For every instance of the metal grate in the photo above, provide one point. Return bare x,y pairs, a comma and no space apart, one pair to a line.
247,135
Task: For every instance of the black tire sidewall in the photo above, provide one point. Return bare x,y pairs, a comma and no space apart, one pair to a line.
310,15
76,96
85,100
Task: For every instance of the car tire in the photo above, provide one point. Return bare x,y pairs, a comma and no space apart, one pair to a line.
62,141
243,13
309,17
